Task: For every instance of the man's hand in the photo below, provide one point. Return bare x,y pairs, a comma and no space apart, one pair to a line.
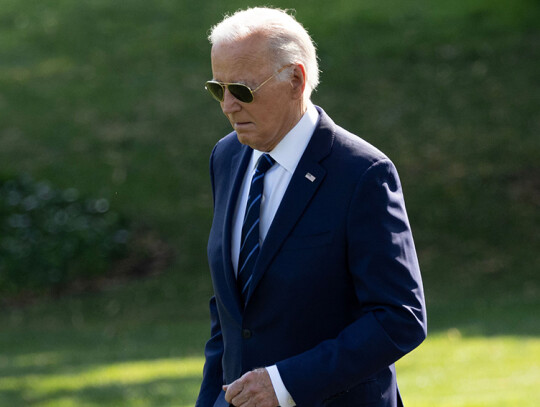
254,389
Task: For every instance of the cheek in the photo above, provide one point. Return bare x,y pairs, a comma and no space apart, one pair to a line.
270,114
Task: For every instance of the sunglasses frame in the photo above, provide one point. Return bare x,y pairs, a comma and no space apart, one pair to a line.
227,85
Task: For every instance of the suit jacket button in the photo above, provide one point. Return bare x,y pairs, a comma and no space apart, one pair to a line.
246,333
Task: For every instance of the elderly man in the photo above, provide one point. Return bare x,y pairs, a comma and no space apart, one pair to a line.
317,289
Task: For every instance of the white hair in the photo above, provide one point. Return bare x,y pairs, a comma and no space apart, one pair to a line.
287,38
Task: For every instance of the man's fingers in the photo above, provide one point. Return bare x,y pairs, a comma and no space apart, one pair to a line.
242,398
232,390
240,401
253,388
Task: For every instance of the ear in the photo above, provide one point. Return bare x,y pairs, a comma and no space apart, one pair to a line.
298,81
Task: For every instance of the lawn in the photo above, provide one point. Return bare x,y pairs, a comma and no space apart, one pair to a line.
108,97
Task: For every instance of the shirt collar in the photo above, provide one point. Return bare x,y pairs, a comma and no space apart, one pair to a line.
290,149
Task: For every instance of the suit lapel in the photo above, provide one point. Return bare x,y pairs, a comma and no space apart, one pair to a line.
305,181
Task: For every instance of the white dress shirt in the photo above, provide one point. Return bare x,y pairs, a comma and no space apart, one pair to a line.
287,155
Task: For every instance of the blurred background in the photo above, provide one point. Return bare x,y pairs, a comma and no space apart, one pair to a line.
105,202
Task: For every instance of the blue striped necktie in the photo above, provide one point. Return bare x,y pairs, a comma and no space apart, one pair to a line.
250,242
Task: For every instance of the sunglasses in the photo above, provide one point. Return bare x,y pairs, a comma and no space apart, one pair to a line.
240,91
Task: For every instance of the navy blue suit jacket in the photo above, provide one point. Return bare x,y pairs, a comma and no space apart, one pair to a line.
336,296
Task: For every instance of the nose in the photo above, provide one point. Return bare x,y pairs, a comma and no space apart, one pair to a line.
230,104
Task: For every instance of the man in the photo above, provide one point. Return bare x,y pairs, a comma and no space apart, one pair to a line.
316,281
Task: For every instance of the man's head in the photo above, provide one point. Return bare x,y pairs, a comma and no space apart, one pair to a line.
271,53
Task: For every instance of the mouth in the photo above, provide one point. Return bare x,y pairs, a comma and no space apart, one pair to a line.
242,125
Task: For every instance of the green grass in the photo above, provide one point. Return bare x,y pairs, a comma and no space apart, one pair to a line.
108,350
452,370
137,344
108,97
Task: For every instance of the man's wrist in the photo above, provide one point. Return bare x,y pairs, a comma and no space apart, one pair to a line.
282,394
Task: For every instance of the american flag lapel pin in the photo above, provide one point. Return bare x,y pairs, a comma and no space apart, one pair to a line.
310,176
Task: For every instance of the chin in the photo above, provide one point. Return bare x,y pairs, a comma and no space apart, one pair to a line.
247,140
242,138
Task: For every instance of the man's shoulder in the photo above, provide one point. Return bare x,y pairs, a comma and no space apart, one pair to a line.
356,147
351,150
346,143
353,158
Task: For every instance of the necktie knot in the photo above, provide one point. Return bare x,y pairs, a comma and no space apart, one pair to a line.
265,163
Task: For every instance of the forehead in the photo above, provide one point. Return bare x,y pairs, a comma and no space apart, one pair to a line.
244,60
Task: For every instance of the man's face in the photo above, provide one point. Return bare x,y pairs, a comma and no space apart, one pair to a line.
275,109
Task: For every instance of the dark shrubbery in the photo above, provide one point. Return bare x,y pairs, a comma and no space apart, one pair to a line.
50,237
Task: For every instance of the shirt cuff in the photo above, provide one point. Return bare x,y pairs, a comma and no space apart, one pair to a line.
282,394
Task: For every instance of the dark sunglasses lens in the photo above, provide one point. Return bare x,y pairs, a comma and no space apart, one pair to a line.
216,90
241,92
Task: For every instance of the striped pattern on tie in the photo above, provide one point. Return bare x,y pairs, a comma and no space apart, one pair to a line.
250,241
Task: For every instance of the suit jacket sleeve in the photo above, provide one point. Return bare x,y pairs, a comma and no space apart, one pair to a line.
382,261
212,373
